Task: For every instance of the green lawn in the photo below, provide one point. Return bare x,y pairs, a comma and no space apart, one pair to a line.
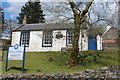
115,48
0,62
112,48
0,67
37,62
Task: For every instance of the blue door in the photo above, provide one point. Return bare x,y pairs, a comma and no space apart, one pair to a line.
92,44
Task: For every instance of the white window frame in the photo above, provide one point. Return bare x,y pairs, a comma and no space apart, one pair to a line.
69,37
47,39
25,36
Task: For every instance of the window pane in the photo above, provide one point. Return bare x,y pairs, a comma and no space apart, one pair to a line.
69,37
47,38
25,38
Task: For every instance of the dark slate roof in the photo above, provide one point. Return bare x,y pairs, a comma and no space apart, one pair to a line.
57,26
94,32
112,28
52,26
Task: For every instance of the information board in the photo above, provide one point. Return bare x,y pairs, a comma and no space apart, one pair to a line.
15,54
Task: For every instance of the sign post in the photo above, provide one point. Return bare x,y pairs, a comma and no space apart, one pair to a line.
6,68
23,62
16,53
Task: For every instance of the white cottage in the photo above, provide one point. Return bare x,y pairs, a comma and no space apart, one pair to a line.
52,37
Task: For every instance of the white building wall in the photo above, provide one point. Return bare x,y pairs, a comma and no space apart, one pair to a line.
99,42
35,43
84,42
58,43
15,38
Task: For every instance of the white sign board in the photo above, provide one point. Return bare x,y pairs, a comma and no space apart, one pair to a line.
15,53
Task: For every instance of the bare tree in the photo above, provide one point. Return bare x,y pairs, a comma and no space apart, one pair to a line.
78,20
57,12
10,25
82,12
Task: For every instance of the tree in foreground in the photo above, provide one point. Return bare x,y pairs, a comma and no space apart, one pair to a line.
33,12
2,20
78,21
87,12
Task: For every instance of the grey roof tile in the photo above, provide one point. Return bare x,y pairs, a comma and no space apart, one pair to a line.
32,27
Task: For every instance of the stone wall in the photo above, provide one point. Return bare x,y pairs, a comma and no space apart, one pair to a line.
104,73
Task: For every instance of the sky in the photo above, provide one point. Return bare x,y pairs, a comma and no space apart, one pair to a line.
11,8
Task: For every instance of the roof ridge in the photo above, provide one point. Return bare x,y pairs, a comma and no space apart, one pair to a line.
18,27
109,29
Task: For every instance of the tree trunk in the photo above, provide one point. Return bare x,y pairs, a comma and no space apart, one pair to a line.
78,17
75,46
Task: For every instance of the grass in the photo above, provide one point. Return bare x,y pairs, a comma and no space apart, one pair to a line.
37,62
113,48
0,61
0,67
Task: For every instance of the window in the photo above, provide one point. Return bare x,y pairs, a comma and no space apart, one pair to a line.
47,38
69,37
25,38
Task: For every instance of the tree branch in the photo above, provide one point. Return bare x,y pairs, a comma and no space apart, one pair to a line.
86,8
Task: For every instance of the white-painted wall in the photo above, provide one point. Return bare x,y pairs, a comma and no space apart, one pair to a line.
84,42
35,43
58,43
15,38
99,42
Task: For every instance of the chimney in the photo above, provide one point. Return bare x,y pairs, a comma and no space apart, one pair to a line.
24,20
